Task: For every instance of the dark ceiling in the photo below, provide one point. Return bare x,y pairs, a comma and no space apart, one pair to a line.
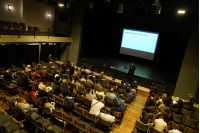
171,5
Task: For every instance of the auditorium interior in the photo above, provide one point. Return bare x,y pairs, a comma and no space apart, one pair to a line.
97,41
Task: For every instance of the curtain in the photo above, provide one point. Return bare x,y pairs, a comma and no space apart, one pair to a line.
18,54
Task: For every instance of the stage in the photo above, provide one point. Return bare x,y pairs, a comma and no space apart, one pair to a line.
118,68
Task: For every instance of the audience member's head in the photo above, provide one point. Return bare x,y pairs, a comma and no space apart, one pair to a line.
9,70
33,69
111,89
122,82
154,89
161,117
121,96
118,103
20,100
29,89
101,74
76,69
190,99
57,78
34,88
135,82
80,76
64,81
95,70
44,81
70,94
29,66
113,80
108,110
132,64
91,77
167,111
128,90
44,67
44,100
50,55
89,91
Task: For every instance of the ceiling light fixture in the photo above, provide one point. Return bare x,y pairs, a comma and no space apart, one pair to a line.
181,11
9,7
49,15
60,4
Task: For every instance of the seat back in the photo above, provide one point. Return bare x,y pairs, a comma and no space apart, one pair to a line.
104,84
91,116
29,98
153,108
68,105
57,87
44,74
176,116
140,125
186,112
187,106
80,88
196,116
155,131
78,110
50,95
92,130
127,99
19,110
42,92
47,110
28,117
48,83
110,100
105,123
189,130
173,125
89,85
67,118
63,90
116,114
38,124
99,96
53,72
80,125
122,90
80,98
173,109
196,110
21,92
88,102
3,129
188,120
37,103
111,86
59,100
82,82
57,113
48,130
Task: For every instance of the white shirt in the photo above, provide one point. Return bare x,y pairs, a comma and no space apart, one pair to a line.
107,117
82,79
23,106
100,93
174,131
96,107
87,71
95,74
160,124
56,75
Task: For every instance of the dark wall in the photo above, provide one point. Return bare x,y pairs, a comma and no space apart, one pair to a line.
103,28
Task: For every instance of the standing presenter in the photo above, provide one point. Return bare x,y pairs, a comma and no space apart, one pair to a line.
131,72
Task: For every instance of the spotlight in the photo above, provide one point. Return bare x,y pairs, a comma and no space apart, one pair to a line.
49,15
156,3
181,11
91,5
61,4
9,7
120,10
158,10
107,1
68,4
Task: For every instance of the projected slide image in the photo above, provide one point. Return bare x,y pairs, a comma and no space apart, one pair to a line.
139,43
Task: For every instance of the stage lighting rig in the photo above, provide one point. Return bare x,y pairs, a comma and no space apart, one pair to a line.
156,3
158,9
107,1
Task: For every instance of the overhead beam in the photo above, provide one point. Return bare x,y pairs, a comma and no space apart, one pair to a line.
31,39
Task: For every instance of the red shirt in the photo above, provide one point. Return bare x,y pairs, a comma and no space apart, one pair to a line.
36,75
33,94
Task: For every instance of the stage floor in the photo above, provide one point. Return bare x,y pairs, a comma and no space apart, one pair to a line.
143,69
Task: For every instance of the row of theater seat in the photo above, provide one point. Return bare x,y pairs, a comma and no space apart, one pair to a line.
15,26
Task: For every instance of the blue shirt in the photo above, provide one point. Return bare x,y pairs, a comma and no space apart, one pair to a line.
118,109
128,95
70,100
120,100
113,83
7,76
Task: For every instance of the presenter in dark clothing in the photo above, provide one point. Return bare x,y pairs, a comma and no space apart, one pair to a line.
49,58
131,72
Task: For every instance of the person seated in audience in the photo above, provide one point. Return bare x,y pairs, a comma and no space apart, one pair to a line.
159,124
64,84
82,79
32,91
112,82
45,103
190,101
128,93
68,64
100,92
37,67
25,78
90,94
119,108
72,70
76,82
96,106
154,90
70,99
133,90
134,84
178,104
95,73
44,69
63,66
36,82
180,129
151,101
57,80
88,71
121,85
90,80
110,94
126,83
165,104
7,76
34,73
166,114
97,83
28,68
101,75
165,96
42,86
120,99
146,116
49,58
83,72
106,116
50,65
25,107
77,71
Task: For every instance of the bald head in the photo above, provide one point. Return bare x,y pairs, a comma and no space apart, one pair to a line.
29,66
111,89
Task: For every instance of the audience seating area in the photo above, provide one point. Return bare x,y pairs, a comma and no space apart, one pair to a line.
16,26
72,118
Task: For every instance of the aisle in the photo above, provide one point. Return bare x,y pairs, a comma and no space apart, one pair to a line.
132,114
